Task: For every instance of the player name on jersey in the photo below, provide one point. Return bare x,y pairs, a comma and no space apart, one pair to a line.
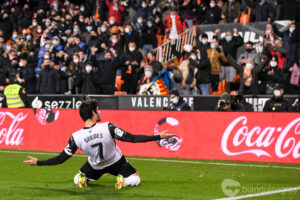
92,137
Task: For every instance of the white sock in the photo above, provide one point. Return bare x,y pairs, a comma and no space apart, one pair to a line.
132,180
76,179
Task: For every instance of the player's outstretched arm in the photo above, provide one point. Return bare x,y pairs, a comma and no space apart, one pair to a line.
125,136
61,158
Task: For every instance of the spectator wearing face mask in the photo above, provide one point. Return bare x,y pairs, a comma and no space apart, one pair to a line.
273,75
138,25
27,76
212,14
115,44
277,49
26,44
203,44
144,10
86,32
71,47
173,25
189,70
94,39
230,44
88,80
215,55
13,67
54,79
278,103
146,78
249,75
131,35
156,65
115,10
149,39
204,72
288,43
56,44
42,86
177,103
131,63
250,53
269,36
107,70
103,33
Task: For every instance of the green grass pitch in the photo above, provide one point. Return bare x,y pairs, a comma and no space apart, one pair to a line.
161,179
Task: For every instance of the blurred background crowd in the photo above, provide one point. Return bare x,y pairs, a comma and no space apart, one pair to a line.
104,46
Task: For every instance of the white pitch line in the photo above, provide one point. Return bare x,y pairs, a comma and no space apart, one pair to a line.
165,160
261,194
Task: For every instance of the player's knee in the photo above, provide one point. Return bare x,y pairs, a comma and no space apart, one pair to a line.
133,180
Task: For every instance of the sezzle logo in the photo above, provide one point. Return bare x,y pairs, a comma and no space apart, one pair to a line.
12,135
71,102
173,143
257,140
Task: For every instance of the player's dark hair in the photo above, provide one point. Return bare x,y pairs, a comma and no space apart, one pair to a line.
86,109
249,42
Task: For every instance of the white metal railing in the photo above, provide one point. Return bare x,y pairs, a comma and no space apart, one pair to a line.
163,52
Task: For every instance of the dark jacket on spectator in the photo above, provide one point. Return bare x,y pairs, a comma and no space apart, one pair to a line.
132,37
28,73
143,12
149,36
4,64
88,82
43,81
26,18
180,106
212,15
156,67
254,88
278,105
72,49
232,46
261,12
288,43
186,12
106,71
204,69
132,56
54,81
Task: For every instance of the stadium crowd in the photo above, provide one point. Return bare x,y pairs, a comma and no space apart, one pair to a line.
80,47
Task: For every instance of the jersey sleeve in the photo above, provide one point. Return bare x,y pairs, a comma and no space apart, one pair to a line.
71,147
67,153
119,134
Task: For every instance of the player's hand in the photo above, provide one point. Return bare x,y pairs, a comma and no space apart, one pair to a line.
165,135
32,161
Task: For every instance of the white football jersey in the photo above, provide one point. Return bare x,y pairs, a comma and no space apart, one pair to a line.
98,143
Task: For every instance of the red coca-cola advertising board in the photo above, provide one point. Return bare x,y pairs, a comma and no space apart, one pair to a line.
263,137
